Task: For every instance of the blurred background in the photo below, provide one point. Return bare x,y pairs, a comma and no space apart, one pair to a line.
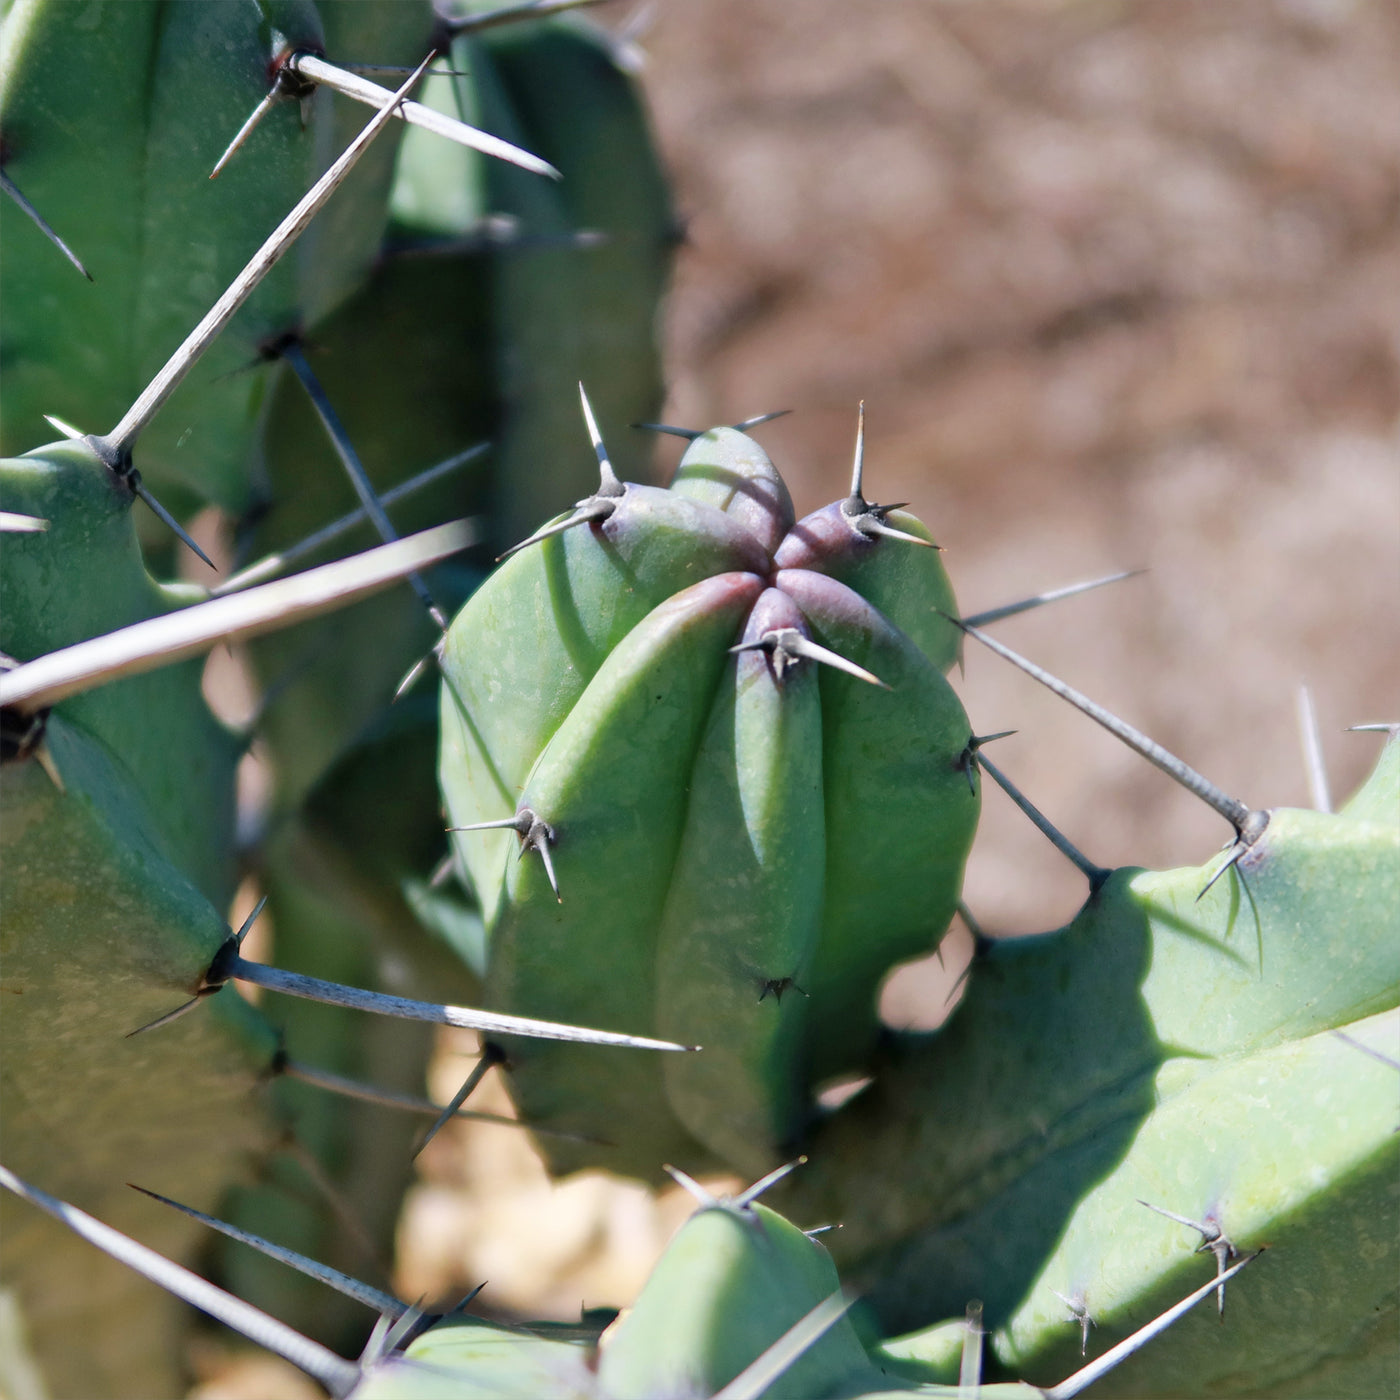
1119,283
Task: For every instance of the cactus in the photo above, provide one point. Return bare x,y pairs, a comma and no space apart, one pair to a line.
119,837
633,702
716,781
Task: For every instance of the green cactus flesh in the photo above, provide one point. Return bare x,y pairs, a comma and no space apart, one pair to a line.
112,122
743,844
1231,1059
113,885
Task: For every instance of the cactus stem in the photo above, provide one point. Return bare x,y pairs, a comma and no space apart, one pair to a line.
747,1197
1095,874
967,759
241,288
786,646
1082,1379
864,517
706,1198
333,993
271,565
173,636
1249,824
1079,1313
317,70
275,94
323,1273
765,1369
1214,1241
535,834
370,503
334,1372
1053,595
776,986
1313,761
13,190
491,1055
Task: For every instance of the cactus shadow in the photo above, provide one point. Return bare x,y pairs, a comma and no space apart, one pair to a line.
955,1174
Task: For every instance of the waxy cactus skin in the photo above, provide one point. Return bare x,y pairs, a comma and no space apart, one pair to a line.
743,845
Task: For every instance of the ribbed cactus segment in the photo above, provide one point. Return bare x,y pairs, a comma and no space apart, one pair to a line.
117,862
1228,1061
752,788
82,577
111,129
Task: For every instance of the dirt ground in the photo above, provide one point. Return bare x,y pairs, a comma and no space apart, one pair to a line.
1118,285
